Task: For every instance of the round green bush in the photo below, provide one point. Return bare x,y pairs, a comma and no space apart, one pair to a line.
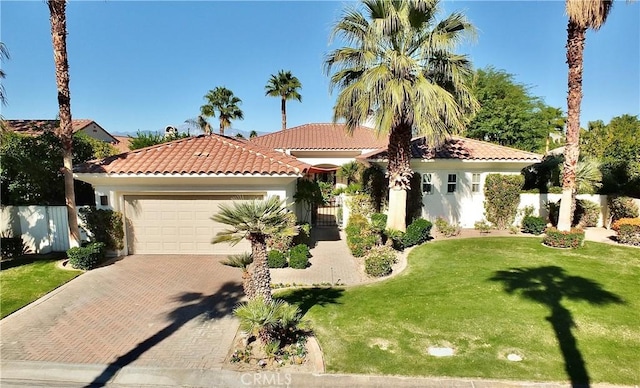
378,222
276,259
379,261
534,225
87,257
299,256
360,245
417,232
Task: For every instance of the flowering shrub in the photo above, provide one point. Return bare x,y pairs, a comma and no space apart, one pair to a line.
560,239
628,230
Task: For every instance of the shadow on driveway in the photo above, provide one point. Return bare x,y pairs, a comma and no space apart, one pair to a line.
194,305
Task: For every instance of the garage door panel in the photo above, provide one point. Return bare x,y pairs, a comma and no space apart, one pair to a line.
177,224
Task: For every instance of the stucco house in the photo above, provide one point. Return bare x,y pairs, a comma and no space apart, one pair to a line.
36,127
325,146
168,192
453,174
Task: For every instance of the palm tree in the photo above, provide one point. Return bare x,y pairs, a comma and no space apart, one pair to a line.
242,261
285,86
4,54
583,14
349,171
253,134
399,69
58,18
201,123
222,101
255,220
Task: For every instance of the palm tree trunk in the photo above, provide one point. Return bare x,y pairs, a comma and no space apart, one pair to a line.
58,18
400,174
575,50
221,127
283,108
259,269
247,284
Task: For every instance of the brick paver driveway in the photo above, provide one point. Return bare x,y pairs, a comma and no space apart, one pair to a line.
161,311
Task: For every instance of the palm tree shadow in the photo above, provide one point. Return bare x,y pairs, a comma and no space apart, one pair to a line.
194,305
305,298
549,285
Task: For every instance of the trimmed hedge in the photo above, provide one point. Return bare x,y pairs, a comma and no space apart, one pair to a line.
559,239
622,207
417,232
276,259
299,256
502,197
379,261
533,225
106,226
87,257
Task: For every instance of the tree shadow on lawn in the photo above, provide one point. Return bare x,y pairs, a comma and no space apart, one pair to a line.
305,298
31,258
549,285
194,304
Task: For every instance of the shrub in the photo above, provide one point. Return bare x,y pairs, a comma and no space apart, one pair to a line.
534,225
553,209
560,239
586,213
299,256
417,232
361,244
622,207
483,226
87,257
105,226
12,247
281,242
502,197
414,206
379,261
276,259
448,230
628,231
396,237
357,225
376,185
378,222
360,205
304,234
268,321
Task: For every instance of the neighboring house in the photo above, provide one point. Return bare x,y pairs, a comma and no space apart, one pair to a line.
123,143
324,146
36,127
453,175
168,192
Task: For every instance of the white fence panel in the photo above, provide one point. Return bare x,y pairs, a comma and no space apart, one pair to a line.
43,228
58,228
538,202
34,225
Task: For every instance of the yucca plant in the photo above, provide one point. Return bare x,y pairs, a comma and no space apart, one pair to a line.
267,320
242,261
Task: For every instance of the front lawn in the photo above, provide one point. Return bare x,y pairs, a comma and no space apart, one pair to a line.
24,280
572,315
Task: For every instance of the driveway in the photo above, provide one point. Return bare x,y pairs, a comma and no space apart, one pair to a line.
165,311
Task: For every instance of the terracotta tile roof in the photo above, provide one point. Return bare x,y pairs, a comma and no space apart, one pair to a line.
322,137
123,143
213,154
461,148
35,127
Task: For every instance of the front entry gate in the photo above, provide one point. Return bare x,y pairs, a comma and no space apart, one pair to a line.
328,214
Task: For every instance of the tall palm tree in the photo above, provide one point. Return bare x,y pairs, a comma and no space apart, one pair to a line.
4,54
285,86
58,18
583,14
201,123
255,220
222,101
399,68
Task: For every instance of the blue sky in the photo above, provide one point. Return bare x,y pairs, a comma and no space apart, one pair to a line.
147,64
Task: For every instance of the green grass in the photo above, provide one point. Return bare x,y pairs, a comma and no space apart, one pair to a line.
573,315
24,280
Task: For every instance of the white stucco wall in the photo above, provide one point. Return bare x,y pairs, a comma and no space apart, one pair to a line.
538,201
96,132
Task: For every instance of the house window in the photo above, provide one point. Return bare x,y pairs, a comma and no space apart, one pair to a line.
426,183
104,200
452,180
475,183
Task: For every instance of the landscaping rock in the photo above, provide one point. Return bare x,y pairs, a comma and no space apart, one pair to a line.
440,352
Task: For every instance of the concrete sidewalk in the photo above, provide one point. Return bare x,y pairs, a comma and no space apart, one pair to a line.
42,374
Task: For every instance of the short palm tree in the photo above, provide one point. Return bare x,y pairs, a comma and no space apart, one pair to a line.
583,15
285,86
350,172
242,261
399,68
255,220
222,101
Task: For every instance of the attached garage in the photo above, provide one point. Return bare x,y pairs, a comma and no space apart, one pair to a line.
168,193
177,224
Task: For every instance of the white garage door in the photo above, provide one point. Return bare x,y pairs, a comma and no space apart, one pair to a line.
177,225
